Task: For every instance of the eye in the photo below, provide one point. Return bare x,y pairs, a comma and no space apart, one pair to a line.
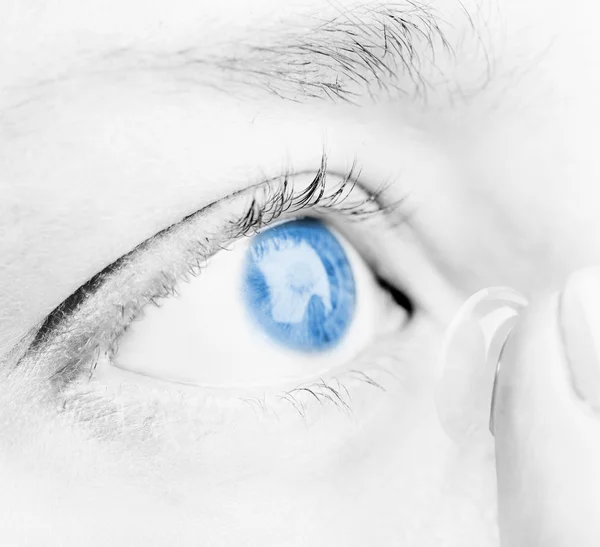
289,304
284,286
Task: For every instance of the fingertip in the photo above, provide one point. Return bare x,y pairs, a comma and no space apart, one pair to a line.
546,448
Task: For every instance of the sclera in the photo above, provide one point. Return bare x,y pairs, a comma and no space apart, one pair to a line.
469,362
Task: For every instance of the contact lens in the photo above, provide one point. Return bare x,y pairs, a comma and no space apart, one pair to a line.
469,362
298,285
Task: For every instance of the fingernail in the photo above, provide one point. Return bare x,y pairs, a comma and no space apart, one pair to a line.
580,327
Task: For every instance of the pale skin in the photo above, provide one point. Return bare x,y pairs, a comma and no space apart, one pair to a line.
93,161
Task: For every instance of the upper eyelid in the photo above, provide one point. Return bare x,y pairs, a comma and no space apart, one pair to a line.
67,313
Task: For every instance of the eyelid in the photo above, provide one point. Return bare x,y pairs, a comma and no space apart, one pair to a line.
92,319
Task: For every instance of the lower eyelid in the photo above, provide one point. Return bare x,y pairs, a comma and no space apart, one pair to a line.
134,415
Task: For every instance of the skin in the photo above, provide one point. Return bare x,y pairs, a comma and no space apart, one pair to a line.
91,165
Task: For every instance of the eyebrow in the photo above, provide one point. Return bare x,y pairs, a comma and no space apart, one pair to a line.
366,50
361,50
388,49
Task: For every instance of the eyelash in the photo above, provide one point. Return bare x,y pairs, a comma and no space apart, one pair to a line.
270,201
283,200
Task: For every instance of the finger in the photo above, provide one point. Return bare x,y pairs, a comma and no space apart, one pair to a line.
547,433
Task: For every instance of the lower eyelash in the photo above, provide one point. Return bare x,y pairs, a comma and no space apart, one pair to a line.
136,416
333,392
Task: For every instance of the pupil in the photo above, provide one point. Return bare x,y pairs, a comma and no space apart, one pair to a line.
298,285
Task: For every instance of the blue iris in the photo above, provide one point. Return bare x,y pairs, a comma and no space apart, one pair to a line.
298,285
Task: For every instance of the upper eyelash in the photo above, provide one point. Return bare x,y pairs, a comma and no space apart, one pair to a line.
283,200
278,198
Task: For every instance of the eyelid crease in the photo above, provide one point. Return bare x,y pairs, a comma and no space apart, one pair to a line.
270,200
